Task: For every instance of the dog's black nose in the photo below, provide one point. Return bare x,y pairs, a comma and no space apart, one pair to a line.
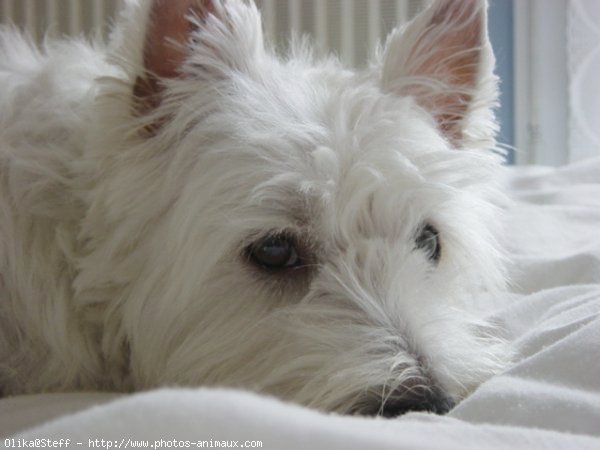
430,400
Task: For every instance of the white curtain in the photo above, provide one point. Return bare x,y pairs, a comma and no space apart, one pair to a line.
557,80
583,52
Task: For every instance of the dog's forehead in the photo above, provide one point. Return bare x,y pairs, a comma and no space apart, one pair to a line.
296,113
331,141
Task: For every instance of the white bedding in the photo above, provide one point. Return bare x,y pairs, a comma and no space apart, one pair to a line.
550,397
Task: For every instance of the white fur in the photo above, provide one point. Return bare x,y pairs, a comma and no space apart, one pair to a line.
122,257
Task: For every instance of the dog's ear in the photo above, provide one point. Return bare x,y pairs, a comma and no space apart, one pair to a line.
443,59
195,39
168,33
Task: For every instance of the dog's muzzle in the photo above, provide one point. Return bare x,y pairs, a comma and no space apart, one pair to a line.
434,401
425,399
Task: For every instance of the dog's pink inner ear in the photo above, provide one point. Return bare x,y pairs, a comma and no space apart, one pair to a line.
165,45
439,61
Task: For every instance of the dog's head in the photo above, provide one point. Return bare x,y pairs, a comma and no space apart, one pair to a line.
289,226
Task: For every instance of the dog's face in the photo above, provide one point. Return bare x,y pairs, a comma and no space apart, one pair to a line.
291,227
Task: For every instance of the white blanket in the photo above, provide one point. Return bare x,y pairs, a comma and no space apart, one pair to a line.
550,397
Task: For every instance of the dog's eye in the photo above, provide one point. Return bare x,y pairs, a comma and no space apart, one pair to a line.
428,240
276,251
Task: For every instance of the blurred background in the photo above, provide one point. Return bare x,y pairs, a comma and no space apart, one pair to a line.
548,56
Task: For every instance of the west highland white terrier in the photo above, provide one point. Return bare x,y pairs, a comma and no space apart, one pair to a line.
184,207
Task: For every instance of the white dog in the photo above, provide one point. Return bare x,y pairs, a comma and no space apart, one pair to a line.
184,207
